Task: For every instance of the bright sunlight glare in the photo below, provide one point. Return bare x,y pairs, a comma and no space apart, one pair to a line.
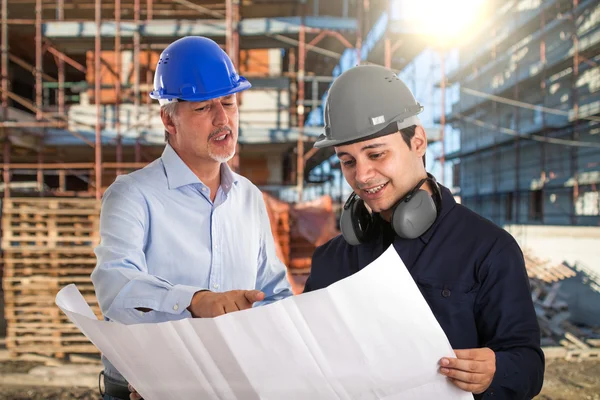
446,21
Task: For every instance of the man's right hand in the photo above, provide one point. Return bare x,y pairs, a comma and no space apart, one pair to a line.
133,395
206,304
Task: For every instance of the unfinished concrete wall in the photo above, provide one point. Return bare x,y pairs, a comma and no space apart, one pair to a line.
561,243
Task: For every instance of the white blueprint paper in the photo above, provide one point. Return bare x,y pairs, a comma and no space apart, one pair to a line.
369,336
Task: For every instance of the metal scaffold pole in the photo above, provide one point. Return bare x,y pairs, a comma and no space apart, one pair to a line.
136,77
575,105
4,77
39,90
442,115
300,108
97,99
119,149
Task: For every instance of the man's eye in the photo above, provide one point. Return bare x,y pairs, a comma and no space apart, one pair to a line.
348,163
375,156
201,108
229,104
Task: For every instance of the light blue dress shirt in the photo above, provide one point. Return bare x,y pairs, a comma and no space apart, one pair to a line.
163,239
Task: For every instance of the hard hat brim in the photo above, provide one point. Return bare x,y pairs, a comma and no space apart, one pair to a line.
323,141
243,85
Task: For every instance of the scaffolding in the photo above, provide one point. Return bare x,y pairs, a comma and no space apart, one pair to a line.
520,114
130,20
44,119
49,241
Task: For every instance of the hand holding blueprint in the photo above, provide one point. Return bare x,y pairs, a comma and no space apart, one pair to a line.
369,336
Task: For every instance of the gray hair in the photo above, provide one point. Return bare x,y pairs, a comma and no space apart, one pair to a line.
171,110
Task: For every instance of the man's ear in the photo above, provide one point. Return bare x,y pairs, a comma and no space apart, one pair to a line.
418,142
168,122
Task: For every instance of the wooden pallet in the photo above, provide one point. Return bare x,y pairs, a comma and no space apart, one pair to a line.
47,244
545,270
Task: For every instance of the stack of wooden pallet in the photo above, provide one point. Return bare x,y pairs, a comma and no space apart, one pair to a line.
47,243
545,271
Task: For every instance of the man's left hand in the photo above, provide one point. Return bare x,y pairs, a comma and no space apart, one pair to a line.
472,370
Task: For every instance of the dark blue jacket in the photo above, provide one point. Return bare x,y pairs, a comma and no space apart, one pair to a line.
472,274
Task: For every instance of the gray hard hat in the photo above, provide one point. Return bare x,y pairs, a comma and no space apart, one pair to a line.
365,102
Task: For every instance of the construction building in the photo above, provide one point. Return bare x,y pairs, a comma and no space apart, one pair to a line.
528,115
76,114
290,51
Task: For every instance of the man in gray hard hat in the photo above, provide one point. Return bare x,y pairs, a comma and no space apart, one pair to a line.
470,272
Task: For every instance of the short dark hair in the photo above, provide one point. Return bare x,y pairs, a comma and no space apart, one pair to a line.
408,133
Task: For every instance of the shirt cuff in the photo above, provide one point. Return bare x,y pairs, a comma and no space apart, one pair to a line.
178,299
502,378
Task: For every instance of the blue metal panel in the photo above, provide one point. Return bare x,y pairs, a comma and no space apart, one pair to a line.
210,28
282,135
58,137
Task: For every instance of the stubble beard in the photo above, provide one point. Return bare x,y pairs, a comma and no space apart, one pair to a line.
221,158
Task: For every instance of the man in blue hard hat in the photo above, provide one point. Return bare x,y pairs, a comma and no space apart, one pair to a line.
185,236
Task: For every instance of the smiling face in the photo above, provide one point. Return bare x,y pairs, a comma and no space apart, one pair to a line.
205,131
383,170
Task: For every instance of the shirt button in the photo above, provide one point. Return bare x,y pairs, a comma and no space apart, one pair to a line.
204,189
446,293
176,307
216,285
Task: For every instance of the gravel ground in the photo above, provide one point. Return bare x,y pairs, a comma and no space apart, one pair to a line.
571,380
564,381
40,393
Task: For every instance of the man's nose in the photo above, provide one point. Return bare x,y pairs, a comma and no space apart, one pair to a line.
364,173
220,117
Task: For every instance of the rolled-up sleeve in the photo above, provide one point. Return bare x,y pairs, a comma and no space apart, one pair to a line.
507,324
271,277
121,278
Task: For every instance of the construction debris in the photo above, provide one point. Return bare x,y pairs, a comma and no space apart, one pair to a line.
298,230
560,337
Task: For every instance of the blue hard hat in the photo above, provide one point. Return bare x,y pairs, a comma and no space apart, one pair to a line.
195,68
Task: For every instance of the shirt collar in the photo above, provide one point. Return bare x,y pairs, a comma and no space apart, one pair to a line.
179,174
448,204
228,178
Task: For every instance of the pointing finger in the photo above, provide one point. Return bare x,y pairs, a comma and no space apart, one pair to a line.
254,296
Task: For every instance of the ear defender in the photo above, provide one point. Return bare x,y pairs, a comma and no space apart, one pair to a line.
356,222
412,216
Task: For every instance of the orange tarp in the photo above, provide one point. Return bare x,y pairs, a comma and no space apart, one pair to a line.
298,229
